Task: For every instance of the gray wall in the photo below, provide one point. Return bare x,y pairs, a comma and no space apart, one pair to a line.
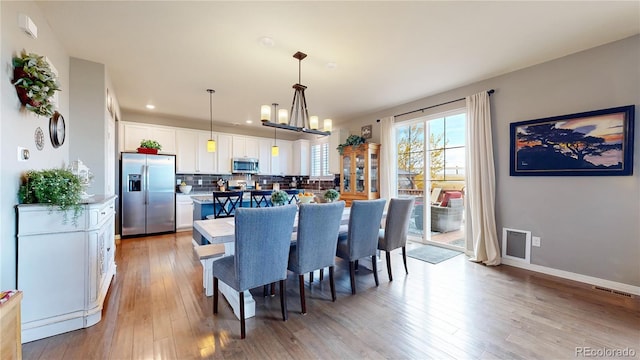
588,225
88,103
18,125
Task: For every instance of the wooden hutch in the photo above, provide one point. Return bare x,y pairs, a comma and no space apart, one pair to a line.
360,173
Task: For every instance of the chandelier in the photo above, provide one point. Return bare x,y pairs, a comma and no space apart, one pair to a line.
300,120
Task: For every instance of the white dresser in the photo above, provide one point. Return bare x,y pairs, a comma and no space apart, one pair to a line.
64,269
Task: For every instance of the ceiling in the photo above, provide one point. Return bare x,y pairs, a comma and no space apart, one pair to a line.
168,53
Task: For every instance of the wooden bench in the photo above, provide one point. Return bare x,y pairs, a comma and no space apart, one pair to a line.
207,255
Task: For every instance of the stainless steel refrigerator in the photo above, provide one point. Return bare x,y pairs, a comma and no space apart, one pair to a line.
147,191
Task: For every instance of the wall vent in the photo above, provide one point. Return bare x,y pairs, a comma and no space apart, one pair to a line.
614,292
516,245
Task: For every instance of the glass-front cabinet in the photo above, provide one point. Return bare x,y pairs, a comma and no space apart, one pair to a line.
360,173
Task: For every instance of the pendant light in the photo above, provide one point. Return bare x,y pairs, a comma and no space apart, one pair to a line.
211,143
299,119
275,151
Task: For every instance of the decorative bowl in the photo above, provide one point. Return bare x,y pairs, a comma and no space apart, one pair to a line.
185,189
306,198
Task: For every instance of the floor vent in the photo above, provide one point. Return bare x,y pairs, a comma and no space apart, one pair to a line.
516,245
615,292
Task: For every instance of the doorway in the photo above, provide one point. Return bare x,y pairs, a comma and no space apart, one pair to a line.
431,168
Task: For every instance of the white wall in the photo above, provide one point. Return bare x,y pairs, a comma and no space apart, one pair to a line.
589,225
18,125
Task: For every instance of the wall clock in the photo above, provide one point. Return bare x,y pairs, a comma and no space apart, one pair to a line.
39,138
57,130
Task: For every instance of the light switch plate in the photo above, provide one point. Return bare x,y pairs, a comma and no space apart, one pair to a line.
535,241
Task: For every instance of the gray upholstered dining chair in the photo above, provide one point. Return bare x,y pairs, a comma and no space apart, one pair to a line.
361,238
260,256
315,246
394,234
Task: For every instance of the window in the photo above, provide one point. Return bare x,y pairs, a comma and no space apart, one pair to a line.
320,160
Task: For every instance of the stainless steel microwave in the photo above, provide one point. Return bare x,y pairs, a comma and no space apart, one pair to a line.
244,166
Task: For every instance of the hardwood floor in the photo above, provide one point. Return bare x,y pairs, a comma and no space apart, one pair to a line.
156,308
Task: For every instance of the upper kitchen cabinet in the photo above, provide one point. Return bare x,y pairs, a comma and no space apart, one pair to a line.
300,158
360,173
207,162
133,133
281,164
244,146
224,150
192,156
264,156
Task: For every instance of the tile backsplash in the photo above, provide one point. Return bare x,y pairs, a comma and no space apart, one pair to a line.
208,182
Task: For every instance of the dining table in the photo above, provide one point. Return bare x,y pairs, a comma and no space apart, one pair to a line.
222,231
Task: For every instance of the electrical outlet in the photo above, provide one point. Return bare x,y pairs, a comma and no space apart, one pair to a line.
178,181
535,241
199,181
264,182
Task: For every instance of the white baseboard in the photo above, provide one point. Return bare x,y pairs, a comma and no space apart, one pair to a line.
614,285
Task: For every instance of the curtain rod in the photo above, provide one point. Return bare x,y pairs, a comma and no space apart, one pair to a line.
432,106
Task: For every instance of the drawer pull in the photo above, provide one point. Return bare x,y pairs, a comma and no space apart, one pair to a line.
108,249
104,212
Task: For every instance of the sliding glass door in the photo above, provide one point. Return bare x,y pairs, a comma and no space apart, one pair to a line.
431,168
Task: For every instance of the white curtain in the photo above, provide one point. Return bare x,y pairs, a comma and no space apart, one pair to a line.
388,159
480,181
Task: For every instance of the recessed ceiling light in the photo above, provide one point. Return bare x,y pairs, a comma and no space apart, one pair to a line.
266,41
332,65
249,122
150,106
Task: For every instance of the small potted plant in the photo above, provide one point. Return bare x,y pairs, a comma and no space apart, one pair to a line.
58,188
279,198
352,140
331,195
35,83
149,147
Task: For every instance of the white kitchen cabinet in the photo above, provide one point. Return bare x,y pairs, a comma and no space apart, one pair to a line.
252,147
184,212
264,155
300,158
186,151
207,162
192,156
224,153
133,133
64,267
239,146
281,164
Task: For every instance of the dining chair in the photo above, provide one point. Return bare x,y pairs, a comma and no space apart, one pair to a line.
315,245
293,195
225,203
261,198
394,234
361,238
260,256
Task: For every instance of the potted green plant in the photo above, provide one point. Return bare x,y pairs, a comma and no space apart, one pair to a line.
331,195
35,83
149,147
58,188
352,140
279,197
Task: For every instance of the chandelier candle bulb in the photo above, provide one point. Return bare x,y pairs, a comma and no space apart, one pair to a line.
265,113
283,116
328,125
313,122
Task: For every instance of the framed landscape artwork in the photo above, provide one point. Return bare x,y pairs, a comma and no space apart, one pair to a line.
597,142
